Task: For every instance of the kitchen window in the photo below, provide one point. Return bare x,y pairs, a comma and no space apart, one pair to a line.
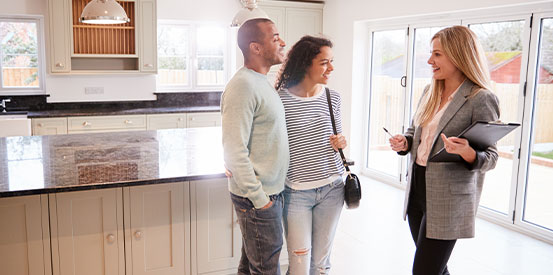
21,55
192,56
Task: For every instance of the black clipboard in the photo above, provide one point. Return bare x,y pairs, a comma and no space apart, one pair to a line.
481,135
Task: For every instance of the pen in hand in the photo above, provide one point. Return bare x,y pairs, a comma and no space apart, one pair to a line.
397,142
387,132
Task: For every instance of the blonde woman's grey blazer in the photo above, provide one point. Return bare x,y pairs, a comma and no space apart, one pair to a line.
453,189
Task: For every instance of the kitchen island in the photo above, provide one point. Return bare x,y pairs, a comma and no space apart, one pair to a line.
144,202
47,164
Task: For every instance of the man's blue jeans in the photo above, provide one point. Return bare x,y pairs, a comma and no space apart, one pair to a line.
261,236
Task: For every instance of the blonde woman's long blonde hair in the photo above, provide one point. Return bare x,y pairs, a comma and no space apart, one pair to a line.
464,50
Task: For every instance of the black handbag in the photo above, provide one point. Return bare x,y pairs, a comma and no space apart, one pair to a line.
352,189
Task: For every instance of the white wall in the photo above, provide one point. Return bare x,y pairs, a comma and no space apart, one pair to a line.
198,10
339,19
70,88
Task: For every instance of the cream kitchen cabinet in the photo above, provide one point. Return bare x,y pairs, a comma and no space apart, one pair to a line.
87,232
87,124
196,120
293,20
97,124
140,230
166,121
79,48
216,236
24,238
148,36
159,232
183,120
49,126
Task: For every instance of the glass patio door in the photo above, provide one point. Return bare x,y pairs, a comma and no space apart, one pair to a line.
537,186
387,100
507,55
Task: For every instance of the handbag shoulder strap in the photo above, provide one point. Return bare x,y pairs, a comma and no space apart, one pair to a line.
344,162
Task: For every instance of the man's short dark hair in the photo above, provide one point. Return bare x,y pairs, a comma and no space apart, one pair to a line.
250,32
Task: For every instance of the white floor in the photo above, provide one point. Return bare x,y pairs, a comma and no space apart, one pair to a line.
374,239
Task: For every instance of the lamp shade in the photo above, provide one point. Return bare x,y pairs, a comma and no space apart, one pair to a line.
103,12
249,11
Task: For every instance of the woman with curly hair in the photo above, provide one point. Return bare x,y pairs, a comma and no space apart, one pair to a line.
314,190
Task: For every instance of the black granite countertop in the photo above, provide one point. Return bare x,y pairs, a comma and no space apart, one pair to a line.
35,106
47,164
116,111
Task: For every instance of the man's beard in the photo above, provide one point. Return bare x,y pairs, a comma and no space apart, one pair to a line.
273,59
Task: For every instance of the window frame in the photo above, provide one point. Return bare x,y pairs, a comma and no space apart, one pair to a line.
528,133
41,89
192,57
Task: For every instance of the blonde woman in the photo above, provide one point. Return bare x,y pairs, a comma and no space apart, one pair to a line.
442,197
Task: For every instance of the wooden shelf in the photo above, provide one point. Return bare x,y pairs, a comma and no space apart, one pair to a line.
118,39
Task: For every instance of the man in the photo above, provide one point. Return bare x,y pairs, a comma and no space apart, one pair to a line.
255,146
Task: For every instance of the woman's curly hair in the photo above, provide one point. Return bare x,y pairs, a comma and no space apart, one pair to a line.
299,58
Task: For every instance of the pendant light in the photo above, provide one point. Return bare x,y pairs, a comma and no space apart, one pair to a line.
249,11
103,12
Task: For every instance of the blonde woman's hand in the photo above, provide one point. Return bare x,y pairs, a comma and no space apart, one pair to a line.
459,146
398,143
338,142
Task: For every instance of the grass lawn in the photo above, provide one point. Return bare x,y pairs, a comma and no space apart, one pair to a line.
548,155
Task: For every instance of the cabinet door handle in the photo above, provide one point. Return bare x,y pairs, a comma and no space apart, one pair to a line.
40,124
110,238
59,65
86,123
128,121
138,235
148,65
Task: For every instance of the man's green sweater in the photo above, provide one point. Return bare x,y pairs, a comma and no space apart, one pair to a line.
255,140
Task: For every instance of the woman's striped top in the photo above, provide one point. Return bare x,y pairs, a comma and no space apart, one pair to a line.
313,162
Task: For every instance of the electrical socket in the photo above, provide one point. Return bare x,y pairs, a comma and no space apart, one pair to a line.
94,90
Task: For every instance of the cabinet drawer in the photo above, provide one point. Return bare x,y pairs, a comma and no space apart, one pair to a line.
92,123
203,120
49,126
166,121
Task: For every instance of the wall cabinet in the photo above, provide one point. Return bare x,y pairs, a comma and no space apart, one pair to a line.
148,38
90,48
293,20
23,250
